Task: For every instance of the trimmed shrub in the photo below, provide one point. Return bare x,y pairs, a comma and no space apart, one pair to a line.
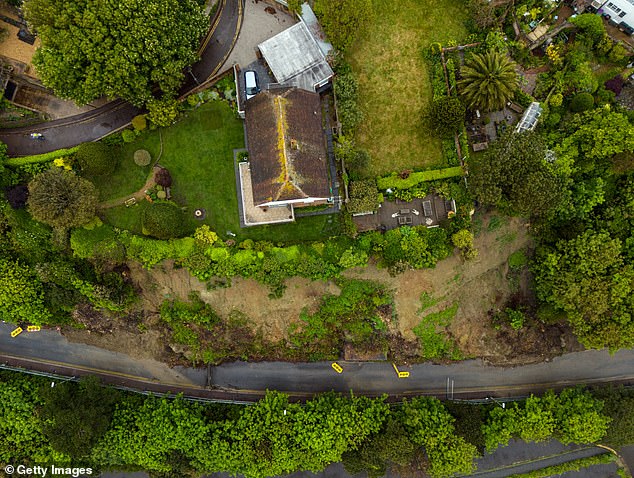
364,196
446,115
128,136
413,179
96,159
163,220
139,123
615,84
142,157
17,196
163,178
40,158
582,102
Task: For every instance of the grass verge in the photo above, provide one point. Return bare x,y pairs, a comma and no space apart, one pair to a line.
574,465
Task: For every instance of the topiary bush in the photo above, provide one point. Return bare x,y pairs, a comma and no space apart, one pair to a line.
139,123
582,102
446,115
128,136
163,220
142,157
96,159
163,178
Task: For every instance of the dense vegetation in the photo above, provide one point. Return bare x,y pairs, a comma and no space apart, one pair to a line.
72,424
120,50
572,177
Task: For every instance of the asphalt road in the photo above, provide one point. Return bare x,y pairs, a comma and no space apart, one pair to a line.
68,132
48,350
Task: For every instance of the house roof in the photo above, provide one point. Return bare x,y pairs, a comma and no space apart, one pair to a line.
287,146
295,58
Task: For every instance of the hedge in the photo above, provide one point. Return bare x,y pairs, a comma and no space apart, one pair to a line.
413,179
40,158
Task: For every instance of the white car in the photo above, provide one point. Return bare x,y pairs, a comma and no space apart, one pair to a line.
251,83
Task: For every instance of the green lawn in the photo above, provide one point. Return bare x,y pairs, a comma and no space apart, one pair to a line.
394,84
198,152
128,177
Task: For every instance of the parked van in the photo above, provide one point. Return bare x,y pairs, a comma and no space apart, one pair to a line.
251,83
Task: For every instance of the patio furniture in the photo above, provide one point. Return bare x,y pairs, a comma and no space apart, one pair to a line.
427,209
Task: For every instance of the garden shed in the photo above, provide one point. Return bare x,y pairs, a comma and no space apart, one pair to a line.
296,59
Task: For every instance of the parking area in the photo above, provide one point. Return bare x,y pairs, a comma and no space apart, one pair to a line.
265,78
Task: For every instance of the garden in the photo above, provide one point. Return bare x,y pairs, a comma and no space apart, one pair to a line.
394,81
198,153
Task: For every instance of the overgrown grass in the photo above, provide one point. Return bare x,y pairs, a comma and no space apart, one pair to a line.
394,84
435,343
198,152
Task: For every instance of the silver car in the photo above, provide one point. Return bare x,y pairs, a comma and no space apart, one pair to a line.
251,83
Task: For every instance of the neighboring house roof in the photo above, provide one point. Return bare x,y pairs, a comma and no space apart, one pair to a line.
287,146
295,58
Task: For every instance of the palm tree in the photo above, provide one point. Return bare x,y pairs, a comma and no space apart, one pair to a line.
488,80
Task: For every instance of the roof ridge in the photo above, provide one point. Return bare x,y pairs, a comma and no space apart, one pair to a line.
286,179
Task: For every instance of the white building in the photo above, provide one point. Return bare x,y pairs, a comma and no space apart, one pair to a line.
618,12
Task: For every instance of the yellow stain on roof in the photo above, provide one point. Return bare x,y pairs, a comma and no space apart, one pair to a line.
287,172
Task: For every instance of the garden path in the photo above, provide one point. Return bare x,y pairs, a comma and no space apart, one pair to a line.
138,195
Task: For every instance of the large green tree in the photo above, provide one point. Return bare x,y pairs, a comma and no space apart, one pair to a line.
588,278
76,416
488,80
429,424
21,294
62,199
514,174
114,48
574,416
342,20
446,115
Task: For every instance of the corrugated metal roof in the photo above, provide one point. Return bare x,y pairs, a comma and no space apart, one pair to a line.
295,58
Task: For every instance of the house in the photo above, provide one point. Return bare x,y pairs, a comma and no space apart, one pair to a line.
296,58
288,160
618,12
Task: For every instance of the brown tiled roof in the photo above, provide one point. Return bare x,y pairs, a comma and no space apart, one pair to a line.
287,146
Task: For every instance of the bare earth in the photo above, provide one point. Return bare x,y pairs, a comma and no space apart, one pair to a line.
480,287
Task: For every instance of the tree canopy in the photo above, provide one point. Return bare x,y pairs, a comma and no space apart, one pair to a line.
342,20
488,80
515,175
75,416
588,279
446,115
117,49
21,294
62,199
